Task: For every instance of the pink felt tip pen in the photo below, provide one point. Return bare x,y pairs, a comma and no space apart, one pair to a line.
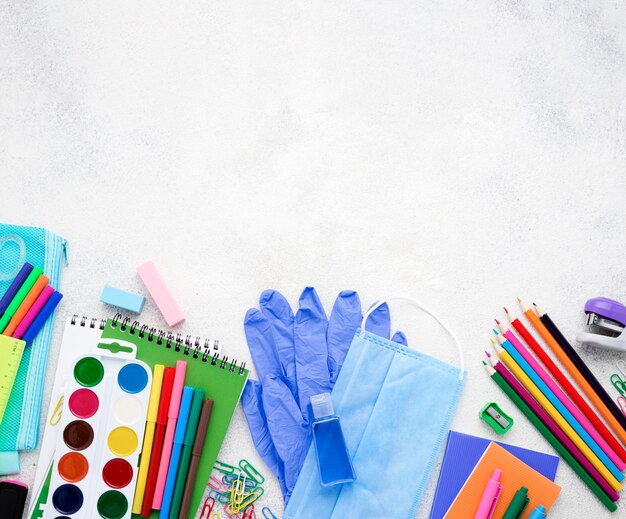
490,497
172,417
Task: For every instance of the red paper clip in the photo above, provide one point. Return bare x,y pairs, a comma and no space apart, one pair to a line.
207,508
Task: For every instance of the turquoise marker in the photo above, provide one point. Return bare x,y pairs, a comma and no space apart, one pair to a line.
179,437
538,513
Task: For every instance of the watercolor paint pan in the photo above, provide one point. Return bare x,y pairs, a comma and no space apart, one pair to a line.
101,433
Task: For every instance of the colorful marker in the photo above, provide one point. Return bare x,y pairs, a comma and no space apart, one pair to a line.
490,497
42,317
33,312
196,454
183,466
179,436
24,307
15,286
19,297
172,417
159,433
148,438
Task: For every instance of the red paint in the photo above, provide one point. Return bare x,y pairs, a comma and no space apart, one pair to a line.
84,403
117,473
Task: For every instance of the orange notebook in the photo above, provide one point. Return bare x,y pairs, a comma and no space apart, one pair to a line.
515,474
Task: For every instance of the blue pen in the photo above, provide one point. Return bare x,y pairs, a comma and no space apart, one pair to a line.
179,437
14,287
42,317
538,513
565,413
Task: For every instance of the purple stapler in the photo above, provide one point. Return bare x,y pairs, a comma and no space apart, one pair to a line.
607,324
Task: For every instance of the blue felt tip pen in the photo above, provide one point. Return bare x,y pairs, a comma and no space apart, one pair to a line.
538,513
179,438
42,317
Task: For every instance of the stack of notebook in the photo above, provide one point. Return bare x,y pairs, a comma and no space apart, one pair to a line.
468,463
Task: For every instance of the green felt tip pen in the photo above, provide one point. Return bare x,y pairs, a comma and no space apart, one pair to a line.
518,504
19,297
185,456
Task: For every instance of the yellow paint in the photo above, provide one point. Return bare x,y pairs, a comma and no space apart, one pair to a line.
123,441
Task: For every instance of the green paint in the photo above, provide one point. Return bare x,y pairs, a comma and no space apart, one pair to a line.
112,505
88,372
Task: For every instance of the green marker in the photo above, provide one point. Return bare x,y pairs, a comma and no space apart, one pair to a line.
183,464
19,297
518,504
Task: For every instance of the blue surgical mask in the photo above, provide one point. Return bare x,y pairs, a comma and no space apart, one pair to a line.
396,405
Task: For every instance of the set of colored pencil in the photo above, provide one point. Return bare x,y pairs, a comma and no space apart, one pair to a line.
27,304
559,411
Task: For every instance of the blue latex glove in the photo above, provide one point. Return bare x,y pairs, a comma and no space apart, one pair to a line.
297,357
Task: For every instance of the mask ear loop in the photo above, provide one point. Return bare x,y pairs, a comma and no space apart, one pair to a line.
426,311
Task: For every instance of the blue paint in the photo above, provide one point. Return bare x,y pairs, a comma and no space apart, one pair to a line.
132,378
67,499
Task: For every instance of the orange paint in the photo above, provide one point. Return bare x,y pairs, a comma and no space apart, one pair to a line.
73,467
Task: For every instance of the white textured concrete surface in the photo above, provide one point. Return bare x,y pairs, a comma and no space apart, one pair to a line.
462,153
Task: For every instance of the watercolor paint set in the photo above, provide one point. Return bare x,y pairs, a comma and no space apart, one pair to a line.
100,437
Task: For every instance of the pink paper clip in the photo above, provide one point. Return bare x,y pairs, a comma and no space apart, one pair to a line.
207,508
621,401
218,485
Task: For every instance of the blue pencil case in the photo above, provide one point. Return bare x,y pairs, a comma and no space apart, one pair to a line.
19,429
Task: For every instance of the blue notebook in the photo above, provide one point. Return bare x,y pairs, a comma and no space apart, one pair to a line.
463,452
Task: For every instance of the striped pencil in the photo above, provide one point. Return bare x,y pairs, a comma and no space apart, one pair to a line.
582,367
567,386
550,431
573,371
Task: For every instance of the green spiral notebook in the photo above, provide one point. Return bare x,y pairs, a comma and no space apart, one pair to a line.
222,379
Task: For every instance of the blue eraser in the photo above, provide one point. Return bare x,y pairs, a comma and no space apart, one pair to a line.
9,463
122,299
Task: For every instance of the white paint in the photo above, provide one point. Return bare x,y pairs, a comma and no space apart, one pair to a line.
462,153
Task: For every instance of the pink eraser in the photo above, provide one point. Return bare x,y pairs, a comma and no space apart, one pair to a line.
160,293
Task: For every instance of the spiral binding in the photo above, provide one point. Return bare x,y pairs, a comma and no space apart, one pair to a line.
197,347
86,321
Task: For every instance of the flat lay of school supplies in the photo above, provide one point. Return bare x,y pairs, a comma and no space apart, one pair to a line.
138,414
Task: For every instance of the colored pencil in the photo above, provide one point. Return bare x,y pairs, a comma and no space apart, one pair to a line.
14,287
551,432
568,387
598,445
148,437
582,367
556,416
563,411
573,371
157,444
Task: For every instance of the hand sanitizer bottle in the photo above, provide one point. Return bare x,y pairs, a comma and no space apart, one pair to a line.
333,458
